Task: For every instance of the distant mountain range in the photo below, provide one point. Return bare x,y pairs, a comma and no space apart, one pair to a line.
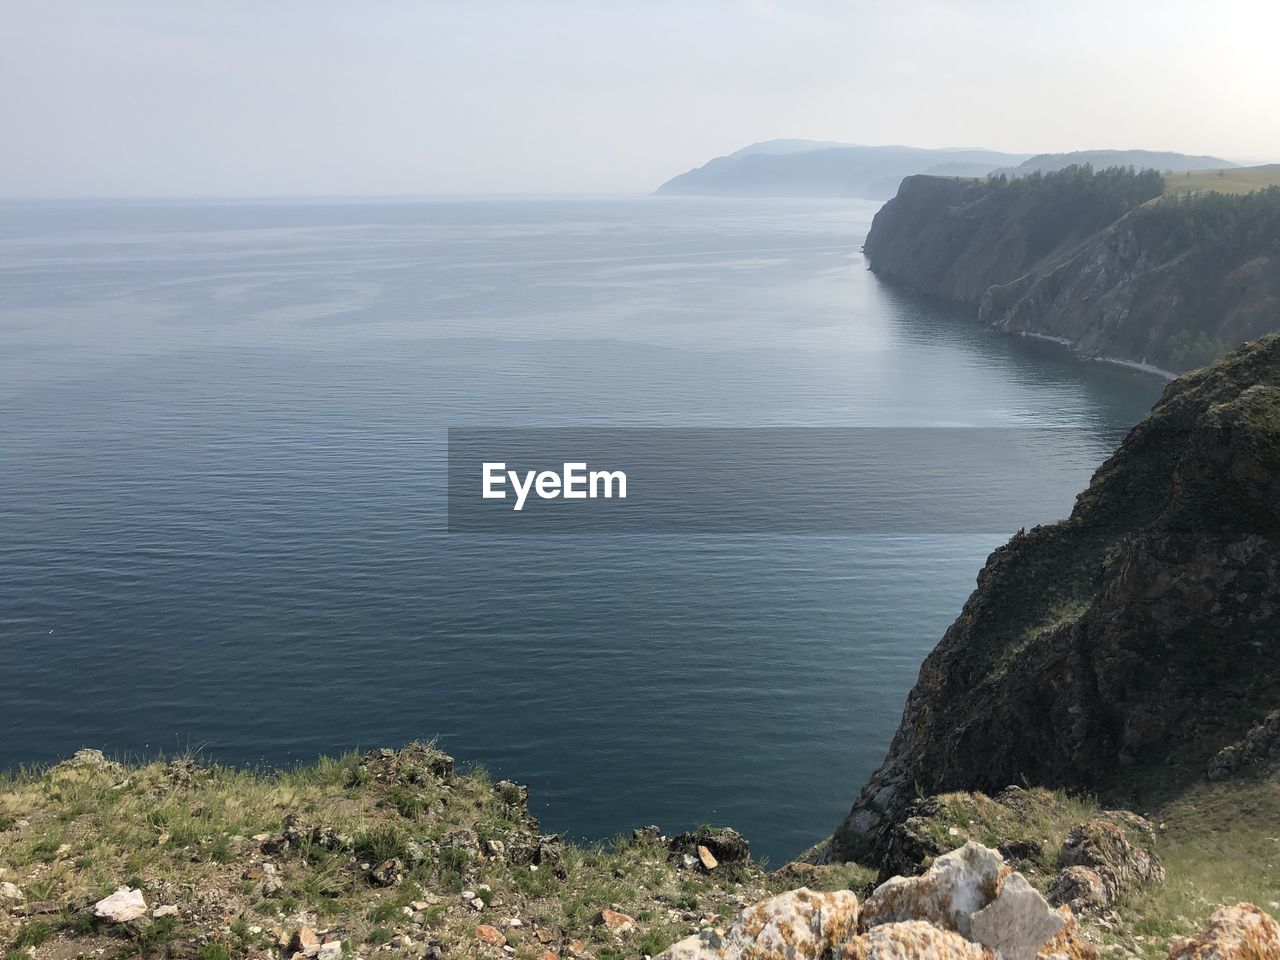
812,168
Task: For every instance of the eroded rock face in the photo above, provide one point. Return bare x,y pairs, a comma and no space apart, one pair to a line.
798,925
1242,932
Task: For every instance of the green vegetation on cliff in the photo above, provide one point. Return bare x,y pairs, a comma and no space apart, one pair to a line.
1093,259
391,852
1232,180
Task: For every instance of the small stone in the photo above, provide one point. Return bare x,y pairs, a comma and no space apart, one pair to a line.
306,942
468,894
11,892
386,874
618,924
168,910
491,936
515,922
476,904
122,906
329,951
707,858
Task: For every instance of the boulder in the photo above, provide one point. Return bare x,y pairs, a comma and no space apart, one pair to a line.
1241,932
973,892
725,844
914,940
800,925
959,884
1119,854
122,906
1018,922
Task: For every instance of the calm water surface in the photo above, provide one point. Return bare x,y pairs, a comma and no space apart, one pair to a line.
221,493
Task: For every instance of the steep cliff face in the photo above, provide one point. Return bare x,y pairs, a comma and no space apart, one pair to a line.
956,238
1117,651
1173,282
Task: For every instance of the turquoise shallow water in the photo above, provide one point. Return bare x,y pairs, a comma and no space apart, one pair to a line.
222,514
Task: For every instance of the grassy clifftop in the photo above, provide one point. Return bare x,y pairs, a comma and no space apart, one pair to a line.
390,852
1094,259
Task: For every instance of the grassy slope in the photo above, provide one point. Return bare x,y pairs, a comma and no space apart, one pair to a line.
185,835
1236,180
1219,842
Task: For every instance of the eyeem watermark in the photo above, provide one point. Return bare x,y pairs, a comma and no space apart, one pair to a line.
574,482
817,481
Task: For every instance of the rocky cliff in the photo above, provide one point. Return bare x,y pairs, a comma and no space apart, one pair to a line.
1093,259
1118,651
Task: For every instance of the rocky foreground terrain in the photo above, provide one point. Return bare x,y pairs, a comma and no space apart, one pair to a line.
397,854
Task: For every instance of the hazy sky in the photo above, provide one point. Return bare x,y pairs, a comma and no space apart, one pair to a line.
199,97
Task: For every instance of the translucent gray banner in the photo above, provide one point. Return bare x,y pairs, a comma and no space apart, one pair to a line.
788,480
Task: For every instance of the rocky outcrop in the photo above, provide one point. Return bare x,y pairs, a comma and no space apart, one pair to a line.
1260,744
1130,640
1104,849
956,238
1242,932
1091,261
801,924
969,906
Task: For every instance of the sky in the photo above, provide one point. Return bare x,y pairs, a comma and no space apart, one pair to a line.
394,97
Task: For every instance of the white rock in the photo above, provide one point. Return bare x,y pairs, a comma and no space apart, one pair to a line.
330,951
168,910
1018,922
959,884
11,892
122,906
